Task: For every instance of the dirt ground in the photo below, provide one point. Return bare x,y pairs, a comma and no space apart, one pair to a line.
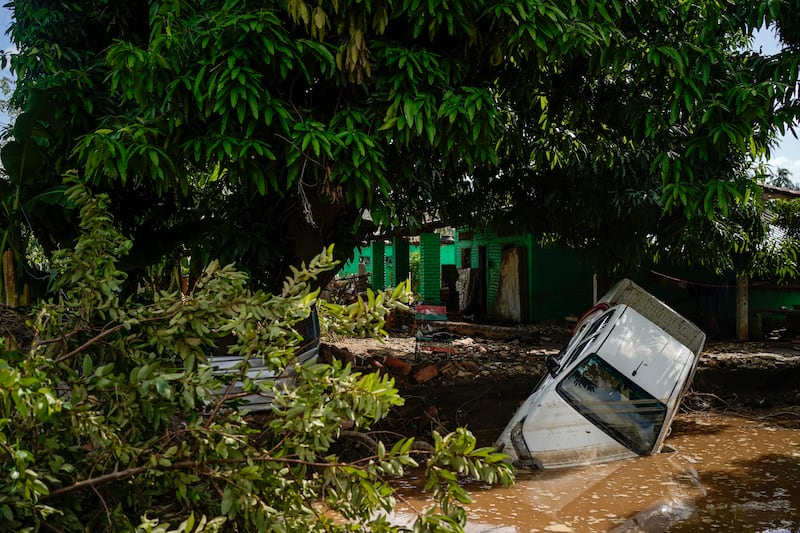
495,368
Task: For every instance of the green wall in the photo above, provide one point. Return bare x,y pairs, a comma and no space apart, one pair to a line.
430,269
558,285
447,256
773,296
709,299
562,286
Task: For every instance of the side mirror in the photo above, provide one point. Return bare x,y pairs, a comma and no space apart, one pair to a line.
552,365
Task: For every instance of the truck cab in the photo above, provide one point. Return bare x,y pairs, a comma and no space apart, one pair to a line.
614,389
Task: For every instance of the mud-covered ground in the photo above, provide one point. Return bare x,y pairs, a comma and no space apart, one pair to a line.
496,368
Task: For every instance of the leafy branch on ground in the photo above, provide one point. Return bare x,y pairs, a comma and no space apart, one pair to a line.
114,419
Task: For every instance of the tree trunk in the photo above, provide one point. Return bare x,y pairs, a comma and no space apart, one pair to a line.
304,235
742,312
10,278
601,284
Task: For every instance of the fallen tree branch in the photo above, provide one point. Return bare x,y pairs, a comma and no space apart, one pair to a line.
116,475
97,338
119,475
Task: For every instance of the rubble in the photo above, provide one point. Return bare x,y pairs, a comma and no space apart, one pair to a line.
481,385
475,356
426,373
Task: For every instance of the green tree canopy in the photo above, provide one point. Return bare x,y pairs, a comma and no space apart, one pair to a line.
258,131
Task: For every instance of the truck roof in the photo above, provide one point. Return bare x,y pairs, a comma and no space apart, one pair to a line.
629,293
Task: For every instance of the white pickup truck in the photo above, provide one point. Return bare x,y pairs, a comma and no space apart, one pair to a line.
613,391
227,366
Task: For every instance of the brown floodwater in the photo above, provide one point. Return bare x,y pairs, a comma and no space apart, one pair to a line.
721,473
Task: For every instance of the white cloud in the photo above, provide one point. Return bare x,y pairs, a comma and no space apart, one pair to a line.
787,155
791,164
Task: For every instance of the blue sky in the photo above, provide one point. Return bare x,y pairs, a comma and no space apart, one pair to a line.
5,45
786,155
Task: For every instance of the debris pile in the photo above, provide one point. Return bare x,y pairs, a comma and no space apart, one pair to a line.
493,370
475,357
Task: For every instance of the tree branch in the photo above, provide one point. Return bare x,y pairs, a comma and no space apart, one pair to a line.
116,475
96,338
119,475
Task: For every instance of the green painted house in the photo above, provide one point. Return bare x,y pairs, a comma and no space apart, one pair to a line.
518,280
507,278
514,279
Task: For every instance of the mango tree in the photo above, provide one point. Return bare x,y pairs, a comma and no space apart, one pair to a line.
259,132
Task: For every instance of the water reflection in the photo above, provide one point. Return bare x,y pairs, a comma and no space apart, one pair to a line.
724,473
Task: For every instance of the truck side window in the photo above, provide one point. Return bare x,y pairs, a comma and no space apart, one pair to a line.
589,337
614,403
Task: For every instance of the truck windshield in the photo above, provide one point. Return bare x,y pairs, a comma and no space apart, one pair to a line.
614,403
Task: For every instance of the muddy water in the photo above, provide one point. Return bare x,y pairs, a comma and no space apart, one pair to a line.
724,473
